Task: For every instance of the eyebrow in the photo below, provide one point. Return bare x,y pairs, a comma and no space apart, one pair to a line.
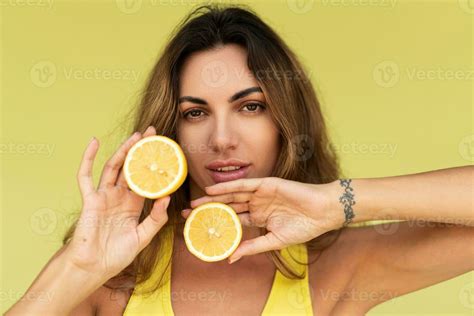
234,97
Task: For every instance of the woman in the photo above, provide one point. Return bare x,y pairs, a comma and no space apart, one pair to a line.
227,88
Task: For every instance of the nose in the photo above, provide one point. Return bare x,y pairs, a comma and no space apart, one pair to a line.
223,136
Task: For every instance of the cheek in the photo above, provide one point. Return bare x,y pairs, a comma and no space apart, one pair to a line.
264,143
193,145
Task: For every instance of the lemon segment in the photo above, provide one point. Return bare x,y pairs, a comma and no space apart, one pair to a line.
212,231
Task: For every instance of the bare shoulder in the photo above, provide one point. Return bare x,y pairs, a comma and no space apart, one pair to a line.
374,264
334,268
113,301
106,300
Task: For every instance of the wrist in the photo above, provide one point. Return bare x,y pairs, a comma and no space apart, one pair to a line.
57,290
345,201
333,206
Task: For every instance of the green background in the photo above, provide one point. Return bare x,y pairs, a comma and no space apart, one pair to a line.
392,77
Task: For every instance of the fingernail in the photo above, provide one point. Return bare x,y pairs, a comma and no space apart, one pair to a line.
92,139
234,260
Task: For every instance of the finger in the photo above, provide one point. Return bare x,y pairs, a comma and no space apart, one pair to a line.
239,185
185,213
234,197
112,166
84,174
245,220
153,222
257,245
240,207
244,217
121,177
237,207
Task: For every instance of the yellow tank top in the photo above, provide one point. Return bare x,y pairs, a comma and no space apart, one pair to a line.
287,296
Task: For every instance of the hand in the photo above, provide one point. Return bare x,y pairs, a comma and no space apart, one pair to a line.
292,212
108,237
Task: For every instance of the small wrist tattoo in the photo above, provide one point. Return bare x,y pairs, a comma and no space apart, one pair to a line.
347,199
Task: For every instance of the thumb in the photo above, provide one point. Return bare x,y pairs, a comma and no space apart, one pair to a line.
153,222
257,245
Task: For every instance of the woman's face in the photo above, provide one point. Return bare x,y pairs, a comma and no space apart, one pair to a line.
223,115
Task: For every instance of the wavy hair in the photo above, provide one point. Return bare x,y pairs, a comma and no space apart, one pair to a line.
306,155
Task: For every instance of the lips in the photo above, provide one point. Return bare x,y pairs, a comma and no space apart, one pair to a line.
225,163
224,176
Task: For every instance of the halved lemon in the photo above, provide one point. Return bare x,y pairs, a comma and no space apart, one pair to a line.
155,166
212,231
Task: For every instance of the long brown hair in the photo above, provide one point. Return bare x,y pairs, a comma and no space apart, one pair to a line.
306,154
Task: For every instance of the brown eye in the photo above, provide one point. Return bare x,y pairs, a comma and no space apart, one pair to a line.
192,113
253,107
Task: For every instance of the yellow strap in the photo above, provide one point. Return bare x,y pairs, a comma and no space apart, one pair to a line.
287,297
